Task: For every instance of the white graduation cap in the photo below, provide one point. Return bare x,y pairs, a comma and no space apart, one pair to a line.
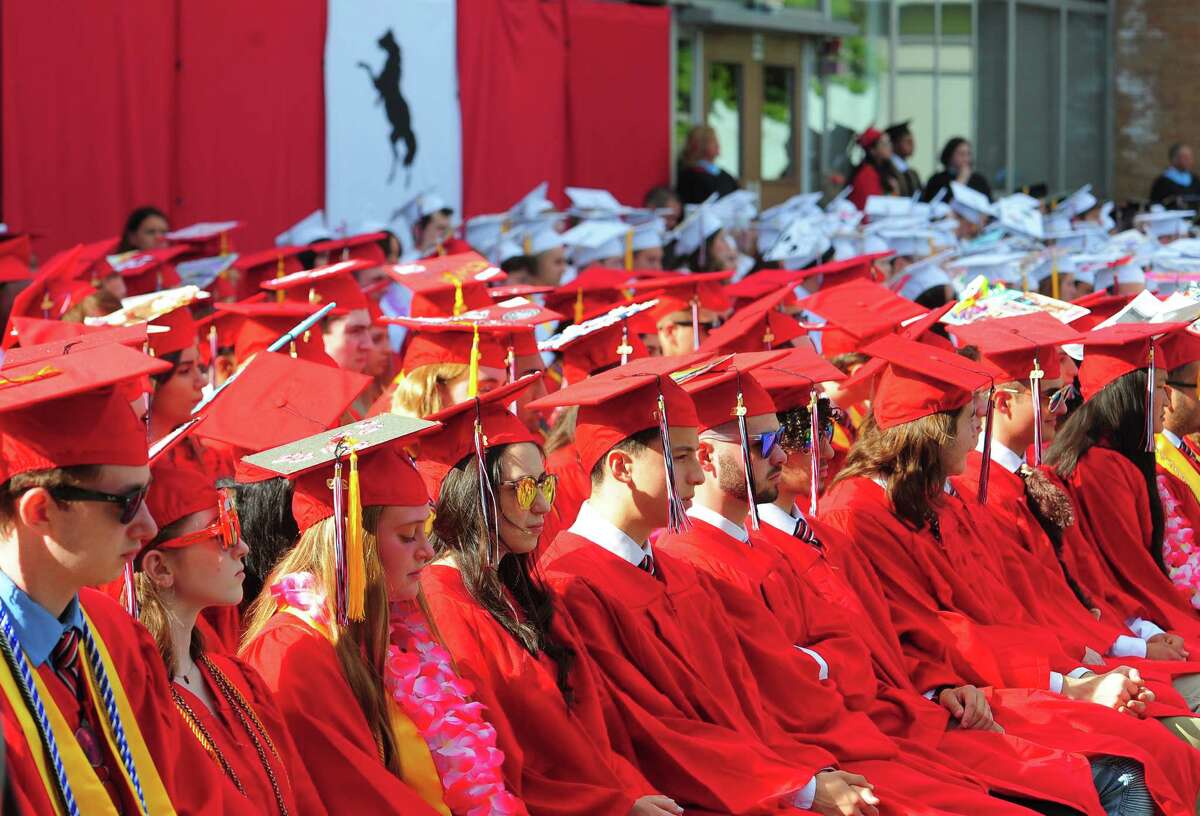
921,276
701,222
886,206
803,204
970,204
1171,271
799,244
484,233
648,234
995,266
1087,238
537,235
1186,247
1020,213
532,204
1107,223
592,241
736,209
587,202
913,243
423,204
1077,203
1165,223
308,230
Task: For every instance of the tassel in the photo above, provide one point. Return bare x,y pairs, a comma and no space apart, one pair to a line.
131,602
460,304
579,305
224,242
510,360
487,494
696,322
624,349
527,244
212,355
677,517
629,251
279,273
1055,289
473,368
1035,393
339,544
747,467
1149,442
47,305
814,451
985,466
356,561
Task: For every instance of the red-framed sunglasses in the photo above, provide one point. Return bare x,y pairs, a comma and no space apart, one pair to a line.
226,529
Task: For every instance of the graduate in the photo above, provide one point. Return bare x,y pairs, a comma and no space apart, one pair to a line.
669,656
341,641
894,503
493,615
1177,467
87,714
1104,452
195,562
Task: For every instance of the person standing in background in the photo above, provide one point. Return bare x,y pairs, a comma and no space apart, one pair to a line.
699,176
1177,187
875,174
903,147
958,164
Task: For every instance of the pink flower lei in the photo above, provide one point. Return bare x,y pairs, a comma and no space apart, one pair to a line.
1180,553
422,681
298,590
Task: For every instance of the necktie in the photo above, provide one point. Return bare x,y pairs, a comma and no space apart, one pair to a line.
65,659
647,564
805,533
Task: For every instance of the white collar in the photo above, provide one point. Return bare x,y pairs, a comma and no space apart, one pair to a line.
1174,439
900,163
600,531
1003,456
709,516
779,518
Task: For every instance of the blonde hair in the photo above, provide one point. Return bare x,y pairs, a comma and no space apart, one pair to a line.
419,393
361,646
697,143
156,617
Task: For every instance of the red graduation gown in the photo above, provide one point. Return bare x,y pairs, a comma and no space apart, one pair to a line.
773,559
924,581
557,760
231,739
1113,516
190,778
303,674
574,486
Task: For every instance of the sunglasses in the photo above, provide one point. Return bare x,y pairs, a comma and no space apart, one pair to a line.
226,529
527,488
1060,398
762,443
130,502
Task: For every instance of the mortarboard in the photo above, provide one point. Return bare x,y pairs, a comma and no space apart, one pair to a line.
1101,306
447,284
592,289
1114,351
594,203
423,204
308,230
920,380
255,325
73,409
39,338
1165,223
144,270
857,267
756,327
600,341
177,491
339,472
363,246
593,241
691,233
256,267
920,277
334,283
856,312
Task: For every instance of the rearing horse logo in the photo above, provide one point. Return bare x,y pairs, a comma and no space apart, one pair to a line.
387,83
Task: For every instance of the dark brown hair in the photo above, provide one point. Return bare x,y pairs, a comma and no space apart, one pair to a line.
51,478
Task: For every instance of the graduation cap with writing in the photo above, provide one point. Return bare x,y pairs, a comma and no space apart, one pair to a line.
625,401
336,474
1025,348
334,283
759,326
856,312
74,409
276,399
600,341
447,285
469,429
255,325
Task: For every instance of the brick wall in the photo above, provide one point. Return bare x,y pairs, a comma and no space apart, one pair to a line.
1156,88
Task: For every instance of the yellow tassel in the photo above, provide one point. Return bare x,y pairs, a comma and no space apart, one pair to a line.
279,273
629,251
224,250
1054,284
460,304
579,305
473,370
356,566
528,244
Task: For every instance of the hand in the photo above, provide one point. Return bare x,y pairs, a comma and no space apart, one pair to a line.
1166,646
969,706
1091,657
1095,612
1121,689
655,806
844,794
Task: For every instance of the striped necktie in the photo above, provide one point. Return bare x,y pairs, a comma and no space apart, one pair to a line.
806,534
65,659
647,565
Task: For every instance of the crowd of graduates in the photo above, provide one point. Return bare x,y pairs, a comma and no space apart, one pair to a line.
865,506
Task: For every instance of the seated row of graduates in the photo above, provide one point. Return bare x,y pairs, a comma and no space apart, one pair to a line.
909,650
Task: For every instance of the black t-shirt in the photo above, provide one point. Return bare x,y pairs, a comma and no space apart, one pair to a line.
696,184
941,180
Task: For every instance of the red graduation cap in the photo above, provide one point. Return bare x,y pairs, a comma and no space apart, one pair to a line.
791,377
1101,306
254,326
858,311
39,338
144,271
1180,348
593,289
453,344
1015,344
860,267
756,327
1114,351
181,333
447,284
920,329
73,409
601,340
334,283
276,399
177,491
362,247
256,267
488,413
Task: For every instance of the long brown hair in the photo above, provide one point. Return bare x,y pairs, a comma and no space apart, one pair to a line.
152,609
361,646
908,458
458,528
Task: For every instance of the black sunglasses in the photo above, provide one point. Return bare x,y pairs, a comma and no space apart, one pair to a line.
130,502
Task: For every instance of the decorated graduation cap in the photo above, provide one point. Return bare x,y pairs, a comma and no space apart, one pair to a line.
448,284
256,325
1101,306
73,409
793,380
1025,348
625,401
729,393
334,283
759,326
856,312
339,472
600,341
275,399
147,270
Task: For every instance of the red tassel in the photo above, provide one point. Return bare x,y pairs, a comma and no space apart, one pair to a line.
986,466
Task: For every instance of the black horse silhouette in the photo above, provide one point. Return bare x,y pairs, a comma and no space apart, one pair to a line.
387,82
